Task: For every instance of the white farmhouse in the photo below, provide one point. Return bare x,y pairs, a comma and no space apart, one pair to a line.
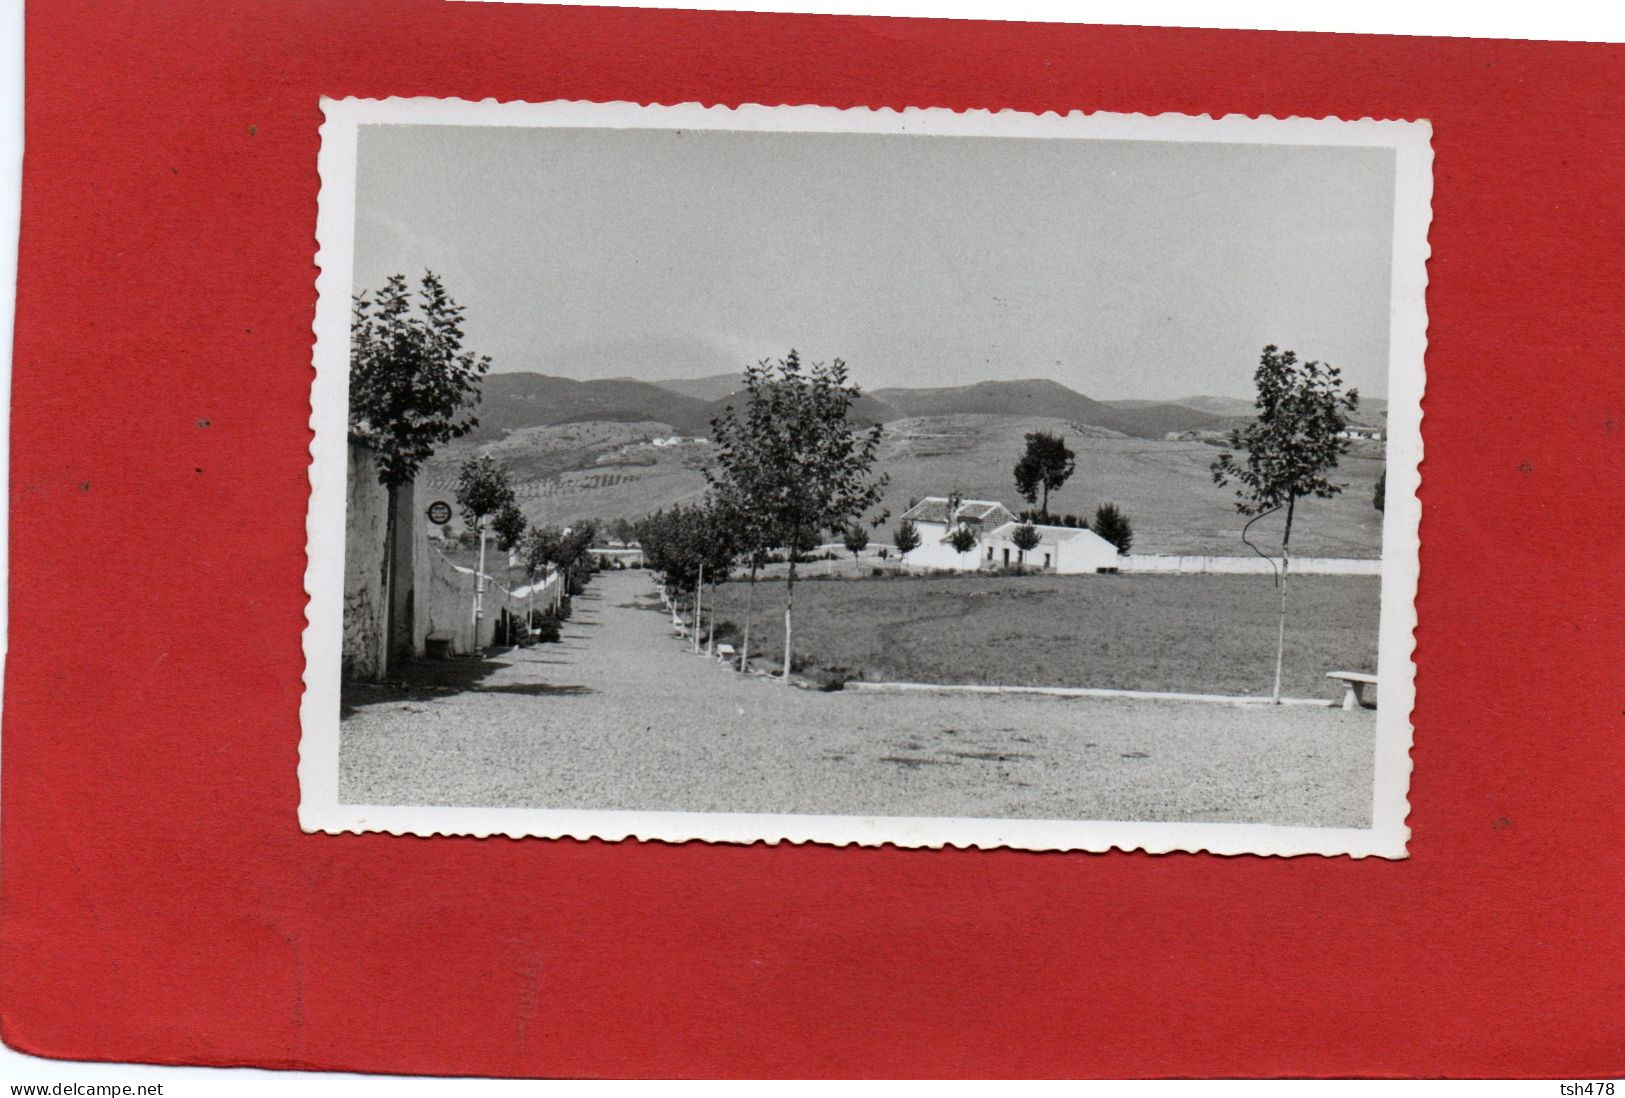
1060,548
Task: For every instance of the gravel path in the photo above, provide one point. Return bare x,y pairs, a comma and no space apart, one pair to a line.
619,715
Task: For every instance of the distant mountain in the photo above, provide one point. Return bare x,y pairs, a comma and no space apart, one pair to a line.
511,401
1040,397
1233,407
714,387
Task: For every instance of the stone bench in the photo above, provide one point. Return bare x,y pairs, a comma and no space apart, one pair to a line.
1359,689
438,646
726,653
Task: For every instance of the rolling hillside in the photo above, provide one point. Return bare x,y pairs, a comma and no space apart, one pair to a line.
612,470
1038,397
581,449
509,402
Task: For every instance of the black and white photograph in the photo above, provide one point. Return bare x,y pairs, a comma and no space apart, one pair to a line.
850,476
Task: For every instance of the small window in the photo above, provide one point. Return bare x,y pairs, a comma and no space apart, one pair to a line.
1046,560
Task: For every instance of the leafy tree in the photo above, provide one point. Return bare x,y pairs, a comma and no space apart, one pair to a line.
1113,525
1291,448
413,388
793,461
963,539
483,492
538,549
856,540
1379,494
508,524
1044,467
743,487
906,536
1026,537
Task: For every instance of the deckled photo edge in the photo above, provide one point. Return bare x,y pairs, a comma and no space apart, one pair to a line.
319,810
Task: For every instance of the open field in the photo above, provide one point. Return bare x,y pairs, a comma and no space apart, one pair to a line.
1165,488
1197,634
607,471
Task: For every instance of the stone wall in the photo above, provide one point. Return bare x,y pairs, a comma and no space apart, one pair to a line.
365,507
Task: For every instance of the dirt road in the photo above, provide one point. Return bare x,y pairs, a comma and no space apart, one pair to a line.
620,715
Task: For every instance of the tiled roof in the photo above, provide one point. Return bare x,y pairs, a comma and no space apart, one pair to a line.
1045,533
935,509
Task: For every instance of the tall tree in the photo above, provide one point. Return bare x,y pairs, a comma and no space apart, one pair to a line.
796,460
484,491
906,536
1044,467
1291,449
963,539
508,526
743,485
856,540
1114,526
413,388
1026,537
538,549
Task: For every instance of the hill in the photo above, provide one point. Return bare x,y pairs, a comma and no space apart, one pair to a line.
509,402
714,387
1049,399
614,470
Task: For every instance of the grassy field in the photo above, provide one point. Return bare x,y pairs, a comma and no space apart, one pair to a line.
1201,634
598,470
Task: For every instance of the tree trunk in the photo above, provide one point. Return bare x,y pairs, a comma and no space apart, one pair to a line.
789,600
387,652
699,586
1043,509
750,608
1280,634
711,635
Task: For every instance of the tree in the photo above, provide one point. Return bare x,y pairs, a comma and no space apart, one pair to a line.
1379,494
1113,525
963,539
856,540
1291,448
1026,537
906,536
508,524
1044,467
793,461
537,549
744,486
483,492
413,388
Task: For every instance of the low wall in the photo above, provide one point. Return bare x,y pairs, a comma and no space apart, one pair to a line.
1314,566
448,606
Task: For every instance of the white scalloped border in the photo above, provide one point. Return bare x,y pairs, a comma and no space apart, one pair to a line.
319,810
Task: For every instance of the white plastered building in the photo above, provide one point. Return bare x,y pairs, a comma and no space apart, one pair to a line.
1062,549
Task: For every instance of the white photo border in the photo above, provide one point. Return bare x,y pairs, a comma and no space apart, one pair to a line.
1387,837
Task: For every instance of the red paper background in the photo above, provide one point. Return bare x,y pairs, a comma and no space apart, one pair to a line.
161,904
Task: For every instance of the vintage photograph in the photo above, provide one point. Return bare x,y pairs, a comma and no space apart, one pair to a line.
849,476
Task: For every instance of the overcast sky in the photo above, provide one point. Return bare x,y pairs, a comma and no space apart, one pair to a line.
1120,269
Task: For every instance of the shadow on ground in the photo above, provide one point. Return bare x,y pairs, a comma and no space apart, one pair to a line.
426,679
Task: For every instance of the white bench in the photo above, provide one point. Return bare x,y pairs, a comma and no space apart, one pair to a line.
726,653
1359,689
